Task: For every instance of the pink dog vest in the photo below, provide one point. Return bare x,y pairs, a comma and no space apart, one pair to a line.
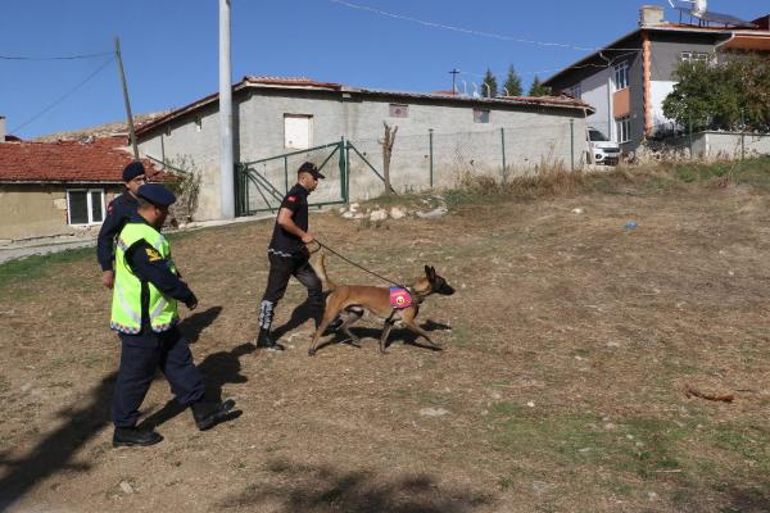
400,298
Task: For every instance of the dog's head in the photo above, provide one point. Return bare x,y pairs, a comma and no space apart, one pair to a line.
437,284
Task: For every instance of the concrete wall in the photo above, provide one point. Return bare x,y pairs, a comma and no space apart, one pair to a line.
29,211
667,50
533,135
720,145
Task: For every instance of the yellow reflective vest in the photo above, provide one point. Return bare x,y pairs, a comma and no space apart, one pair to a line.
127,293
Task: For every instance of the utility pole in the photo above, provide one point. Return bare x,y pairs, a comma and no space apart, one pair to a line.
454,74
131,132
226,167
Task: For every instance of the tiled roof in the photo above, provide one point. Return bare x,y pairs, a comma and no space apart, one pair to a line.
99,161
308,83
292,81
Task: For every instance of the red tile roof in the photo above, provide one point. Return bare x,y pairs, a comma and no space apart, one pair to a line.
99,161
291,81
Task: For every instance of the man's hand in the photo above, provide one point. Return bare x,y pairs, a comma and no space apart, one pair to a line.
192,304
307,238
108,279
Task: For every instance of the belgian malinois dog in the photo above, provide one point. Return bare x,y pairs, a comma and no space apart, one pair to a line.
354,300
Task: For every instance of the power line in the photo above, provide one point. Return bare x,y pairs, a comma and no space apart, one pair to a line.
473,32
61,58
65,95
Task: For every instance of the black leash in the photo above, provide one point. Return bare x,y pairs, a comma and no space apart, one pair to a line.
330,250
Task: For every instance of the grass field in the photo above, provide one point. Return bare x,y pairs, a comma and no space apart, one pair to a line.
569,348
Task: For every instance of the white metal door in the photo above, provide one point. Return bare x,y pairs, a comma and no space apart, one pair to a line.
297,131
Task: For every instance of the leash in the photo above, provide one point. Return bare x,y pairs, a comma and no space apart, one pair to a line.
330,250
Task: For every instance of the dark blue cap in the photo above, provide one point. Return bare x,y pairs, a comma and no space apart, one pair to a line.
156,194
309,167
133,170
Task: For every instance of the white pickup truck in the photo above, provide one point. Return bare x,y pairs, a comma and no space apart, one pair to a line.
602,150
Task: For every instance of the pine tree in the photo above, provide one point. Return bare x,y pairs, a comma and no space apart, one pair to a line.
513,83
538,89
489,87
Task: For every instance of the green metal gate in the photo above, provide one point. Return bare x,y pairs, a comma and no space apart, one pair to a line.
261,185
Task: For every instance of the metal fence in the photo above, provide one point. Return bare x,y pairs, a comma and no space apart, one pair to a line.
353,169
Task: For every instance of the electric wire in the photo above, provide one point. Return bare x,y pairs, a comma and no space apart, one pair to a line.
65,95
60,58
472,32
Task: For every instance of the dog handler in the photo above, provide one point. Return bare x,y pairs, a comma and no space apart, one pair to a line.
289,256
118,212
144,313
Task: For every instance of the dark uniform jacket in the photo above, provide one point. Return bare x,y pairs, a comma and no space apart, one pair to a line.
283,243
118,213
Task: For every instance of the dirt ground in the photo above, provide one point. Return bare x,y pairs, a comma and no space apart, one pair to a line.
569,347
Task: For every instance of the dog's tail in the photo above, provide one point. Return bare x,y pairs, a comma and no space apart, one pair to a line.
320,270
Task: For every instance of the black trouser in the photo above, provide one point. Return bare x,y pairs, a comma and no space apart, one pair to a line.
281,269
140,357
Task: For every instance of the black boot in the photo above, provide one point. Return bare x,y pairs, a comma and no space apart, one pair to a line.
207,414
127,437
265,340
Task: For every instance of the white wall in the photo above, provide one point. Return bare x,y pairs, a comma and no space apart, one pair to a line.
598,94
659,90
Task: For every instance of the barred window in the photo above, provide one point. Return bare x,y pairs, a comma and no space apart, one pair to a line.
399,110
624,129
695,57
621,75
85,206
481,115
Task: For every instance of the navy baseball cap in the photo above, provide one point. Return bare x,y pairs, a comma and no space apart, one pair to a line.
309,167
133,170
156,194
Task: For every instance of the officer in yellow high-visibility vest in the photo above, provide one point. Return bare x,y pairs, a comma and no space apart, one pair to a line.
144,313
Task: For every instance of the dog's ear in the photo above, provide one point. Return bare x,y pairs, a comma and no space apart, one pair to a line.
430,272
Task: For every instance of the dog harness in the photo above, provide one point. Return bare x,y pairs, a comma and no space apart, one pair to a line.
400,298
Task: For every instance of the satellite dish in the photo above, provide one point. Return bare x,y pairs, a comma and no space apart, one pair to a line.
699,9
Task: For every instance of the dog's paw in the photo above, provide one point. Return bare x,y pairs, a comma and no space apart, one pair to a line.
311,352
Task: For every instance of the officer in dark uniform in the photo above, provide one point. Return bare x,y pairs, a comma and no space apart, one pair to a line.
144,312
118,212
289,256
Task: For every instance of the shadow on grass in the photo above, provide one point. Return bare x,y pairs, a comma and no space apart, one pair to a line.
54,453
217,369
297,488
747,500
86,419
407,336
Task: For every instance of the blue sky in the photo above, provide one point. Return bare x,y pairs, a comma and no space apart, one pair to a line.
170,47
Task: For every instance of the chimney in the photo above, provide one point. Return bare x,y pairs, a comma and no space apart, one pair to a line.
651,16
2,129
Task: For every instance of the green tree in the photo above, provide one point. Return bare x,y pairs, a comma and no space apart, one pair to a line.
489,87
538,89
513,83
723,94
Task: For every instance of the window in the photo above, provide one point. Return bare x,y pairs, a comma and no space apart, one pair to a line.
399,110
621,76
481,115
198,123
695,57
297,131
624,129
85,206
